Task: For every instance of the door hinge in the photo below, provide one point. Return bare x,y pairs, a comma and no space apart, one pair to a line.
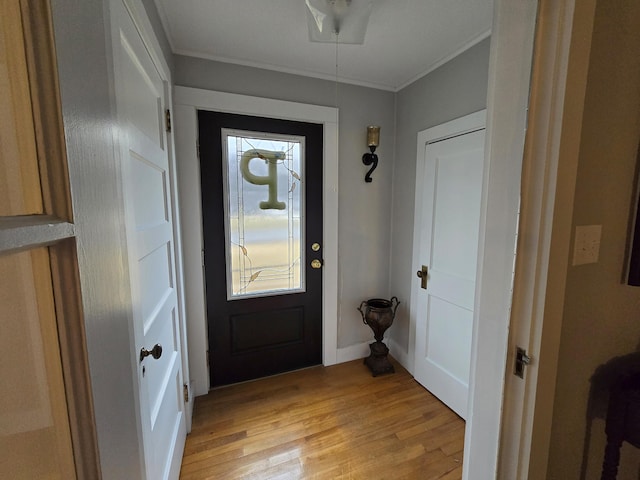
522,360
167,120
202,255
185,392
198,149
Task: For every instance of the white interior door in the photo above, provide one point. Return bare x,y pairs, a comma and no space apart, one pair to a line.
448,219
140,95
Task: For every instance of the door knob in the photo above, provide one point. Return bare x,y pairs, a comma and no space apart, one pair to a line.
315,263
422,275
155,352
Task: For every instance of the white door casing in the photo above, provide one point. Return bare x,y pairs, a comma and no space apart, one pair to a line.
559,79
447,215
187,102
146,183
507,100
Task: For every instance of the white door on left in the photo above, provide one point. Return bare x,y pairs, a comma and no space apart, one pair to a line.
141,103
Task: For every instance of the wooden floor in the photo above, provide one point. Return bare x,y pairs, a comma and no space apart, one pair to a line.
324,423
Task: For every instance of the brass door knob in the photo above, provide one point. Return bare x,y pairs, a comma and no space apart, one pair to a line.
422,275
155,352
315,263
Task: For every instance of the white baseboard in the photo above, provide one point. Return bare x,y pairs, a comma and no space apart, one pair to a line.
189,405
398,353
361,350
345,354
353,352
198,388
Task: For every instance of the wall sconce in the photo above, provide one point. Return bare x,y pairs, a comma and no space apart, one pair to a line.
373,140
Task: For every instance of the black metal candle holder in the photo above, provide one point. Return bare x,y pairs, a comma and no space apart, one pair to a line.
368,159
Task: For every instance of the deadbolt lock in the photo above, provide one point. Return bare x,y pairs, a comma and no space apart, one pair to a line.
315,263
315,247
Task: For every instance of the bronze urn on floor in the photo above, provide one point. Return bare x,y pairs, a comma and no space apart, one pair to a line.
379,314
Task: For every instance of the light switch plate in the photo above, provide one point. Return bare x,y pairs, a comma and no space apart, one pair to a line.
586,247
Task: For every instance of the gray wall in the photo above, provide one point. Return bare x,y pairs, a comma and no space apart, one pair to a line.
364,215
83,51
601,313
457,88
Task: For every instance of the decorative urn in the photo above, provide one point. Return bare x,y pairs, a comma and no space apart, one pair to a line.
379,313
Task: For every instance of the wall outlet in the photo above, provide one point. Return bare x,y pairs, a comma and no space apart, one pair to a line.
586,247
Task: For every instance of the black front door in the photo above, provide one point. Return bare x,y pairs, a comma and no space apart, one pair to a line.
262,223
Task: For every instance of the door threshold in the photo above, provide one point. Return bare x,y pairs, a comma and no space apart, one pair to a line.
220,387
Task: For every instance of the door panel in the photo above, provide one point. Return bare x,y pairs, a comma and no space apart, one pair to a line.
143,97
150,245
449,248
251,332
149,198
20,192
264,300
447,320
35,438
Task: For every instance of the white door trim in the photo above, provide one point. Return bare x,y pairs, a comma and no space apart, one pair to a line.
459,126
143,25
187,102
507,99
550,168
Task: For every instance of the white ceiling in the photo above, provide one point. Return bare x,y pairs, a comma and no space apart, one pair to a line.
405,38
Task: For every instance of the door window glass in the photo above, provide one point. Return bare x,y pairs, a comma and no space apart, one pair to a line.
264,192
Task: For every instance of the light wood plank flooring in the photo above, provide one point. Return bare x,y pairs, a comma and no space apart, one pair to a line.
324,423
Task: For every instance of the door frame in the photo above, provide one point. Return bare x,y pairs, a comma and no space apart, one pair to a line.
55,229
559,78
257,332
459,126
187,102
510,61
